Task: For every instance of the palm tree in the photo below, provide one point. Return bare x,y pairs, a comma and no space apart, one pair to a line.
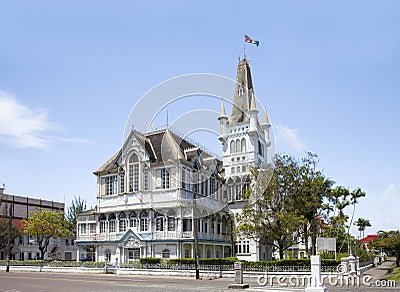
362,225
77,206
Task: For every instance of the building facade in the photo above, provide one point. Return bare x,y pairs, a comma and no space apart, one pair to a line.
159,191
24,247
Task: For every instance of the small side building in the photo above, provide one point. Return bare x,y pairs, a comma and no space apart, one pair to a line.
24,247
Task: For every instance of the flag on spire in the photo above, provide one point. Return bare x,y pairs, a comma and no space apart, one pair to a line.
248,39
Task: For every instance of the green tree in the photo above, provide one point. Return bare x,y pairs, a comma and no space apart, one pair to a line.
273,218
389,241
362,225
44,224
313,189
337,202
4,227
77,206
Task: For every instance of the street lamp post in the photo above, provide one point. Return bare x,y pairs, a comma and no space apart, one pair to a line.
9,240
195,233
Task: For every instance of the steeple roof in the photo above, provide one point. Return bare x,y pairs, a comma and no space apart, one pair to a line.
243,93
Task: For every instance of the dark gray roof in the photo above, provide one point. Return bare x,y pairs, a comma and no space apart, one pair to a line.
160,146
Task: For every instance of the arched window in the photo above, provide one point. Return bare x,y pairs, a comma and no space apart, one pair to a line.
144,221
243,145
133,169
159,222
232,147
111,222
260,150
165,253
238,146
103,223
122,222
132,219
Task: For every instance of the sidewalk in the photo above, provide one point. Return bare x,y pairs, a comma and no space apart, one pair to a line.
380,271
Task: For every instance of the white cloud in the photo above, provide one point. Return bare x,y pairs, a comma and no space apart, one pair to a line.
388,196
26,127
289,140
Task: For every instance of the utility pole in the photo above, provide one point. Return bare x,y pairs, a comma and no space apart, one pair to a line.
9,240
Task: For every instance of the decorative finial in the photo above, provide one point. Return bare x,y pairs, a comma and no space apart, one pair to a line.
266,118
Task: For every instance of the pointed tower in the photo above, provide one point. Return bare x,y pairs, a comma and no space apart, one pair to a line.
244,146
222,122
242,95
242,136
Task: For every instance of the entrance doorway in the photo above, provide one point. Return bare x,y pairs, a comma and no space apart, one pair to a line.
133,254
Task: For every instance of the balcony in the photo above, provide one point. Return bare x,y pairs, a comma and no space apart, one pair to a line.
156,235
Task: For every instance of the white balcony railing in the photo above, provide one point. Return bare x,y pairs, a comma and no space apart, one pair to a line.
156,235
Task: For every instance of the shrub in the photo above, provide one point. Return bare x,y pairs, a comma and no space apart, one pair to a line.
150,260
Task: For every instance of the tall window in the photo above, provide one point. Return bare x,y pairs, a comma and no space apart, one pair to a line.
232,147
83,228
171,220
243,145
122,222
183,177
212,186
165,178
132,219
122,184
111,223
144,223
92,228
237,145
133,173
159,222
102,220
146,179
111,184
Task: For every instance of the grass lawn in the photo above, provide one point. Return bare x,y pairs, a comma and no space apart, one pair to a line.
395,275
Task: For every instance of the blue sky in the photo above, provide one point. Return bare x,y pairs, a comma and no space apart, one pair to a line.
328,72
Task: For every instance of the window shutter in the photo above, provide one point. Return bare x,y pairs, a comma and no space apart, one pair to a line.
102,186
172,175
158,178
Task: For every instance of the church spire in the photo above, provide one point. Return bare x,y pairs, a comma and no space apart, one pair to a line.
222,113
243,93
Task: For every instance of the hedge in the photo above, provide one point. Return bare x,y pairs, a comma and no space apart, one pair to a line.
230,261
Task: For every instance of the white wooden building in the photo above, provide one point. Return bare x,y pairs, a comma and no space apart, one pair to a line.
145,191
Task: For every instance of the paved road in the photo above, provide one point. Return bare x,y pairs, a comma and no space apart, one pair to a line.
35,282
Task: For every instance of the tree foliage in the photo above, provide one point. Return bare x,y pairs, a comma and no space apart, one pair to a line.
362,224
4,226
44,224
298,200
273,219
389,241
77,206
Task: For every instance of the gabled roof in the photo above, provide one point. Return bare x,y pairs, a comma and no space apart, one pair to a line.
111,165
161,146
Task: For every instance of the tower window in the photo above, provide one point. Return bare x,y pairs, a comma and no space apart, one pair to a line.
232,147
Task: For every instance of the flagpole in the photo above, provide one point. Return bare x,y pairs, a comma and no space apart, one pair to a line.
244,49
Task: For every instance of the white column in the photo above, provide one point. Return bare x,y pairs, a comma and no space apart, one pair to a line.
316,284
